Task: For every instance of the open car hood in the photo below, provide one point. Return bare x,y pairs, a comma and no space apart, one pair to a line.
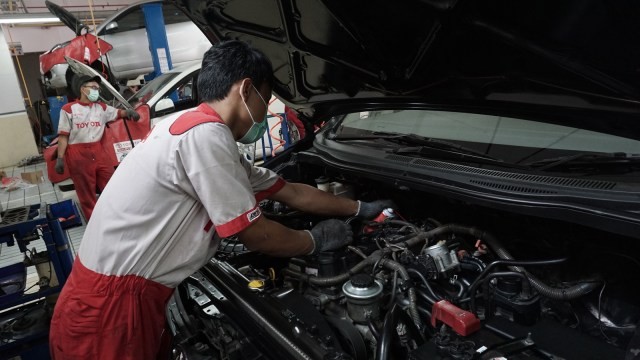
66,17
577,54
106,87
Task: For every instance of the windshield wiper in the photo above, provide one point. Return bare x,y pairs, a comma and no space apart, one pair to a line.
585,160
432,148
422,141
436,152
374,135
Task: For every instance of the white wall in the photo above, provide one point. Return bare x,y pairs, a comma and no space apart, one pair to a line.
38,39
11,100
16,137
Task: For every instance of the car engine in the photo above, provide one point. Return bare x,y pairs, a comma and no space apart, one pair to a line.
436,277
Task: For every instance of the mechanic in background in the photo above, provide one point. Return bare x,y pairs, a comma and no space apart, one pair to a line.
173,198
133,86
80,130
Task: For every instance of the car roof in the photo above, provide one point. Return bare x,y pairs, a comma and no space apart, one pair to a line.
189,67
121,11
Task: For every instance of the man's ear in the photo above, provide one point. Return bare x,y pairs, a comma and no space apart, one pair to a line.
245,89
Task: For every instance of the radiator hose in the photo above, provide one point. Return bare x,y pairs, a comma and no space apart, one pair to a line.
545,290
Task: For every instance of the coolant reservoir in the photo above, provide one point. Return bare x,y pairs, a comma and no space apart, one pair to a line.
363,294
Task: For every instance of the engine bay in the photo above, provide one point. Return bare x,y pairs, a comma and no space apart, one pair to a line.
432,278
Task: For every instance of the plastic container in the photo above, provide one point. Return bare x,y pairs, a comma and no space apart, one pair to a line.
12,282
67,213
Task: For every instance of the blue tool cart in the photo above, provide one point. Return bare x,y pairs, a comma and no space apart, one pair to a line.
24,315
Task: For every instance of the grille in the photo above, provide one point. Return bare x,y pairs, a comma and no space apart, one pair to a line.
512,188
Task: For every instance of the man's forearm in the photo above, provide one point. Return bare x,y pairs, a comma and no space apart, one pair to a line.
63,140
309,199
272,238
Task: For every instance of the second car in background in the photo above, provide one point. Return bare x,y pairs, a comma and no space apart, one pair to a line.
125,32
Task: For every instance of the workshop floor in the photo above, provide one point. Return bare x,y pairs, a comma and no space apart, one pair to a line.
43,193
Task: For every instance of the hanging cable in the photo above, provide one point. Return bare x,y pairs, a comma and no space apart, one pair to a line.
24,82
95,32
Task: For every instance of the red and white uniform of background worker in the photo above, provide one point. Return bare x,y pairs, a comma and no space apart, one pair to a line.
87,161
160,218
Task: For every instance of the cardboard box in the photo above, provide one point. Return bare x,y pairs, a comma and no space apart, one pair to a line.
34,177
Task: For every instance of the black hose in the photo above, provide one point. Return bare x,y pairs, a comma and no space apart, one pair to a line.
413,298
374,331
377,257
545,290
404,223
388,331
426,284
426,297
414,228
338,279
474,287
513,263
572,292
393,290
473,260
460,287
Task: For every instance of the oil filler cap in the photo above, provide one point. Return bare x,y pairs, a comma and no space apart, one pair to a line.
256,284
362,280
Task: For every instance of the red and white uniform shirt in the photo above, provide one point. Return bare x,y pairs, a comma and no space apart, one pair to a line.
84,123
174,196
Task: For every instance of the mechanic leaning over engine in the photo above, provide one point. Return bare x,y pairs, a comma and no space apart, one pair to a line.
173,198
80,130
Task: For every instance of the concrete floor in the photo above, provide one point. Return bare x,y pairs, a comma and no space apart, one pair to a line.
43,193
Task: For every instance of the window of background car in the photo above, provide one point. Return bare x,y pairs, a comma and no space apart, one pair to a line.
172,15
511,139
133,19
184,93
152,87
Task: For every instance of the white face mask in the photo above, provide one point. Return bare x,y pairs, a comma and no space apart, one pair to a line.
93,95
257,130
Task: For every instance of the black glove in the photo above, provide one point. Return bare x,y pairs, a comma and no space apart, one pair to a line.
60,165
330,235
369,210
132,114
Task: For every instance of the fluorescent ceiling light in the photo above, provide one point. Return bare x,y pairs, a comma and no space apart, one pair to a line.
35,18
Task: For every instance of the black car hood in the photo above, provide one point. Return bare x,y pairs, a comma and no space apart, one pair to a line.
573,54
66,17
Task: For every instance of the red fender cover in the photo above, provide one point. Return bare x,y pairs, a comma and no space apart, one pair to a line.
82,48
116,133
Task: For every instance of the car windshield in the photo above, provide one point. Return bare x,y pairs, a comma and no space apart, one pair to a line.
151,88
511,140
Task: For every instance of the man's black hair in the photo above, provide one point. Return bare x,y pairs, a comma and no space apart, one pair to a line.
228,62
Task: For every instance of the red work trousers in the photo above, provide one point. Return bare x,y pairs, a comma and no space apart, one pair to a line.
90,169
101,317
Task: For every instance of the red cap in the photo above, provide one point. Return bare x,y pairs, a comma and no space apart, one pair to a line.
461,321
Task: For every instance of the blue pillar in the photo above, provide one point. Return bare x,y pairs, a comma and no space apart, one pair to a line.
157,35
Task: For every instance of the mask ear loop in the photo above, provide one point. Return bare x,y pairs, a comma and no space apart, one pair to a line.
261,98
244,102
